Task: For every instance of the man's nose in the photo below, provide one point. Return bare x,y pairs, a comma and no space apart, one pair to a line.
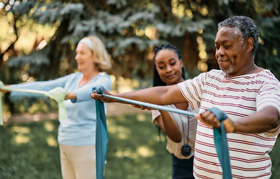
220,52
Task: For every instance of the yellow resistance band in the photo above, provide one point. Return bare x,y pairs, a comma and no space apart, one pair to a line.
58,94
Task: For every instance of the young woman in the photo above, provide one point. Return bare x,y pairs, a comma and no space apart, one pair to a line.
76,134
180,129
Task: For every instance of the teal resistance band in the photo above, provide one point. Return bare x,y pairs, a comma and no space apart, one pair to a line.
221,143
220,137
58,94
101,140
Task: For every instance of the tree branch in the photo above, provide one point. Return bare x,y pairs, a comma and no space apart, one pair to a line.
16,17
167,11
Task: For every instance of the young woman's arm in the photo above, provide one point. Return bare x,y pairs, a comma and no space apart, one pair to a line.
169,126
162,95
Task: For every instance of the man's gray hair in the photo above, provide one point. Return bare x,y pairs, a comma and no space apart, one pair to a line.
246,27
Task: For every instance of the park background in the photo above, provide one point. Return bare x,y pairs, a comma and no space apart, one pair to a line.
38,40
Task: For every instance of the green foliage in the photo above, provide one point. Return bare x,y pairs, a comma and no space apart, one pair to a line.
34,60
133,28
275,160
268,54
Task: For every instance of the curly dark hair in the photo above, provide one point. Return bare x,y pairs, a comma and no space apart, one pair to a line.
246,27
156,80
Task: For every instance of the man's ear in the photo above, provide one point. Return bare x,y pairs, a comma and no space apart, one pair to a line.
250,44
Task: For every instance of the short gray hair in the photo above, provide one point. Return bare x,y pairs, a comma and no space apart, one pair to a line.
246,27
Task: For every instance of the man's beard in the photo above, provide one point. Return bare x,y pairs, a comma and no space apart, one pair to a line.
228,70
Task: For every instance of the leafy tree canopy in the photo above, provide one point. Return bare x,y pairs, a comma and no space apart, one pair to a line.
130,31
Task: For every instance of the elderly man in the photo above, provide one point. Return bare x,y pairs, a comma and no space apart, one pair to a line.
250,95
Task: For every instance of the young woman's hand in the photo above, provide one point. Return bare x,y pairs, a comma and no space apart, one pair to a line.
141,107
70,96
104,99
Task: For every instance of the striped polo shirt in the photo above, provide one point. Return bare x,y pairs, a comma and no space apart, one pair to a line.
239,97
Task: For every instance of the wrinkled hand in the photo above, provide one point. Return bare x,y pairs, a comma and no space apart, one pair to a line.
104,99
141,107
70,96
58,94
5,91
210,120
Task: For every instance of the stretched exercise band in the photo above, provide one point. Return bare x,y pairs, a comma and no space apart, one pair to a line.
101,137
220,138
140,103
58,94
221,143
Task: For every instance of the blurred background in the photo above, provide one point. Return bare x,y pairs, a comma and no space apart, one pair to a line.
38,40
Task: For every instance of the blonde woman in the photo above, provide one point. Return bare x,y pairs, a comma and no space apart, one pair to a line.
76,134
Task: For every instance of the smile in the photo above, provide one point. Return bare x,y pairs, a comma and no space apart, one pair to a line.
171,76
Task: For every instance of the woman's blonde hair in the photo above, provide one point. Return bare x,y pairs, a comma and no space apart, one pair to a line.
101,57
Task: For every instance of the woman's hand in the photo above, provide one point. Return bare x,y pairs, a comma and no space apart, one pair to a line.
210,120
104,99
3,90
70,96
141,107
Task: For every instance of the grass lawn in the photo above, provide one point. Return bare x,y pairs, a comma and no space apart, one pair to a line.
30,150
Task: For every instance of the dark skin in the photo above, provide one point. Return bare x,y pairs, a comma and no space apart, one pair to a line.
234,54
169,68
235,57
